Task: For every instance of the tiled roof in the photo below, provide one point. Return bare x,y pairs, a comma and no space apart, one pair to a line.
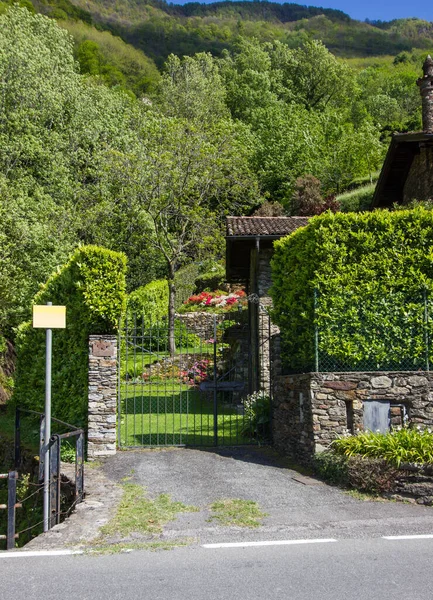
278,226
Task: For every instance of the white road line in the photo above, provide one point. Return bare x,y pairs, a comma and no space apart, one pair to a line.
33,553
408,537
273,543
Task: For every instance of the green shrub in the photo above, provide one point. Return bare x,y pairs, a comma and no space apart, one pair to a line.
149,302
213,277
357,200
257,416
185,283
371,271
371,475
92,287
406,445
332,467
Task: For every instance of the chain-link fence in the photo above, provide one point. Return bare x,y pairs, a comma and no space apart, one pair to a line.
387,332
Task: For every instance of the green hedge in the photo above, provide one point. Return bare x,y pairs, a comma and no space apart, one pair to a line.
371,272
149,302
92,286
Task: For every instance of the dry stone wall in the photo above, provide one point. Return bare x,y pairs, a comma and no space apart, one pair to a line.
419,182
312,409
200,323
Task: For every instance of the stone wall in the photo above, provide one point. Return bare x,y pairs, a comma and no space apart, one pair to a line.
101,437
419,183
312,409
200,323
413,482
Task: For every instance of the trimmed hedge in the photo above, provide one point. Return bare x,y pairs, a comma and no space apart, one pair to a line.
371,475
372,272
92,286
149,301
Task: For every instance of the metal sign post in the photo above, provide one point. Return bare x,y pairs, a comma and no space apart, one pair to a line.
48,317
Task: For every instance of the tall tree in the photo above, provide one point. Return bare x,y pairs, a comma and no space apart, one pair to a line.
185,178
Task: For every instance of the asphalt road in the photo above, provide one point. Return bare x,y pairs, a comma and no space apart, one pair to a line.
346,569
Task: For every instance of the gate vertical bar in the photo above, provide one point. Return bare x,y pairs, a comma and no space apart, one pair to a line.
54,481
12,499
79,467
17,438
215,397
42,456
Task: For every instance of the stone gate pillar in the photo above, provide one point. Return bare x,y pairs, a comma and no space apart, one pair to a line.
102,396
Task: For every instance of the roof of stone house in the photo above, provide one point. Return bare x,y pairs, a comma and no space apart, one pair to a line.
263,226
404,147
246,233
402,150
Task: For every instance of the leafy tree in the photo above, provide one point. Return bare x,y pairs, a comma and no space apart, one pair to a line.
191,88
307,198
185,179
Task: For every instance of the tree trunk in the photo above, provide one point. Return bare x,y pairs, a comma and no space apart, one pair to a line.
171,301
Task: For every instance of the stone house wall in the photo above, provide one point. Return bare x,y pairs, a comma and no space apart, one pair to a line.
312,409
419,182
264,334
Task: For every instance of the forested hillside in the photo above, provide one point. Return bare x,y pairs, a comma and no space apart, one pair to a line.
159,28
146,153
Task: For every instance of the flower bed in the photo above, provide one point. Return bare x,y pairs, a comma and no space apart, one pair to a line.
188,370
217,301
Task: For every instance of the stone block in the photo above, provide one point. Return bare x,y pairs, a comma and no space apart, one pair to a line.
417,380
381,382
341,385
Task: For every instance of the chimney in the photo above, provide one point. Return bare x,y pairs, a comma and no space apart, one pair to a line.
426,88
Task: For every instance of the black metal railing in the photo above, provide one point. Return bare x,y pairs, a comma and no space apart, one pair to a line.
32,502
10,536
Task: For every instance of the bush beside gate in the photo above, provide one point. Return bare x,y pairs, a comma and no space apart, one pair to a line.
92,286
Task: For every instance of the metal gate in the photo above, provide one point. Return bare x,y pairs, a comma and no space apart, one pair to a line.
200,395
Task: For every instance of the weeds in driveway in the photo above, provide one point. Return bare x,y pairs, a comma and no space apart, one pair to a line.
241,513
138,514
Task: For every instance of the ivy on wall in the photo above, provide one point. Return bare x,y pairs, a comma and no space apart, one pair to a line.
373,276
92,287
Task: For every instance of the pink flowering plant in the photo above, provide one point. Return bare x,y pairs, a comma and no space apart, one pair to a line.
197,372
215,301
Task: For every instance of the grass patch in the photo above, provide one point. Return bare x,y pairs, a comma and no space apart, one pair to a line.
241,513
363,496
155,416
138,514
358,199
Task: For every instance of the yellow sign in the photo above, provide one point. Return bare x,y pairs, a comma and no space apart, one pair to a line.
49,317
